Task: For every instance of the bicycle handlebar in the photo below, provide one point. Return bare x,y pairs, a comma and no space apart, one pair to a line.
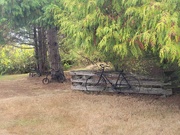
103,66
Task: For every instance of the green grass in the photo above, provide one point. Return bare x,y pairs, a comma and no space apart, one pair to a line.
11,77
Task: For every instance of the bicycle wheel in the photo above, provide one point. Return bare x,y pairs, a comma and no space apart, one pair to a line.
45,81
130,83
94,84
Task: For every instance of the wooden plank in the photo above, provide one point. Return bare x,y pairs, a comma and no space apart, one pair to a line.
78,80
82,72
151,83
156,91
142,83
78,87
112,74
147,78
80,77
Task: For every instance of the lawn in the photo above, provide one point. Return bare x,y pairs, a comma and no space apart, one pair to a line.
27,107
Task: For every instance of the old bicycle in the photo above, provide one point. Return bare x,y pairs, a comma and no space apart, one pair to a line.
101,82
55,75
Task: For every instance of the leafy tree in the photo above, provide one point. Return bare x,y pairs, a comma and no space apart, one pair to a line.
52,37
122,28
115,28
19,19
36,21
158,26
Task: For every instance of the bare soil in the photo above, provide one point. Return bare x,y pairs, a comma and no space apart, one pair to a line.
28,107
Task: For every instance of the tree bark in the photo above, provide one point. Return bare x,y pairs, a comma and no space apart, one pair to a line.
40,50
43,63
36,48
54,56
44,51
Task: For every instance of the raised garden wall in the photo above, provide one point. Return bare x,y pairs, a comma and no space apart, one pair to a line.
148,85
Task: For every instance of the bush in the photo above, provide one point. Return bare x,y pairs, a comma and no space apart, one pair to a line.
15,60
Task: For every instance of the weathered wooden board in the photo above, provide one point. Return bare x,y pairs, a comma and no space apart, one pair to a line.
142,82
82,72
156,91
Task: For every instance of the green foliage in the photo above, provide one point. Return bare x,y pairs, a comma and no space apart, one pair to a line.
158,27
24,18
23,13
122,28
73,56
116,29
15,60
95,24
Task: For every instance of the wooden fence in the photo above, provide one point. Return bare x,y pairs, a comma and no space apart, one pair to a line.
147,85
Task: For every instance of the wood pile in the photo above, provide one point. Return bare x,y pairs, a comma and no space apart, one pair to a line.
147,85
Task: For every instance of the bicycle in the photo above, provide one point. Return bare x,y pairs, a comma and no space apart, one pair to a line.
99,81
55,75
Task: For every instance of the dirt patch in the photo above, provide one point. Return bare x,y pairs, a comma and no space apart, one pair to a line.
27,107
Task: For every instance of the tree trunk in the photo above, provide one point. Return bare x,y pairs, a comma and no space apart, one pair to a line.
36,48
54,56
44,51
40,62
40,50
43,63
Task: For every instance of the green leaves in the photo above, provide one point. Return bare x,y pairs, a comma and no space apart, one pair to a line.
170,52
3,2
121,49
157,26
15,60
122,28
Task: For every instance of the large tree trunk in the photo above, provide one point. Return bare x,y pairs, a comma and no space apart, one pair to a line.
54,56
40,50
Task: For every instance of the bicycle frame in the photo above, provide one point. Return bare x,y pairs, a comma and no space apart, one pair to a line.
119,83
118,78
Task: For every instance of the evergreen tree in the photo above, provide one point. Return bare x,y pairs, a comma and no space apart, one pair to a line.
122,28
33,16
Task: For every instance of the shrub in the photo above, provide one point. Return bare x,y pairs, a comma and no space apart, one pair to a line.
15,59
